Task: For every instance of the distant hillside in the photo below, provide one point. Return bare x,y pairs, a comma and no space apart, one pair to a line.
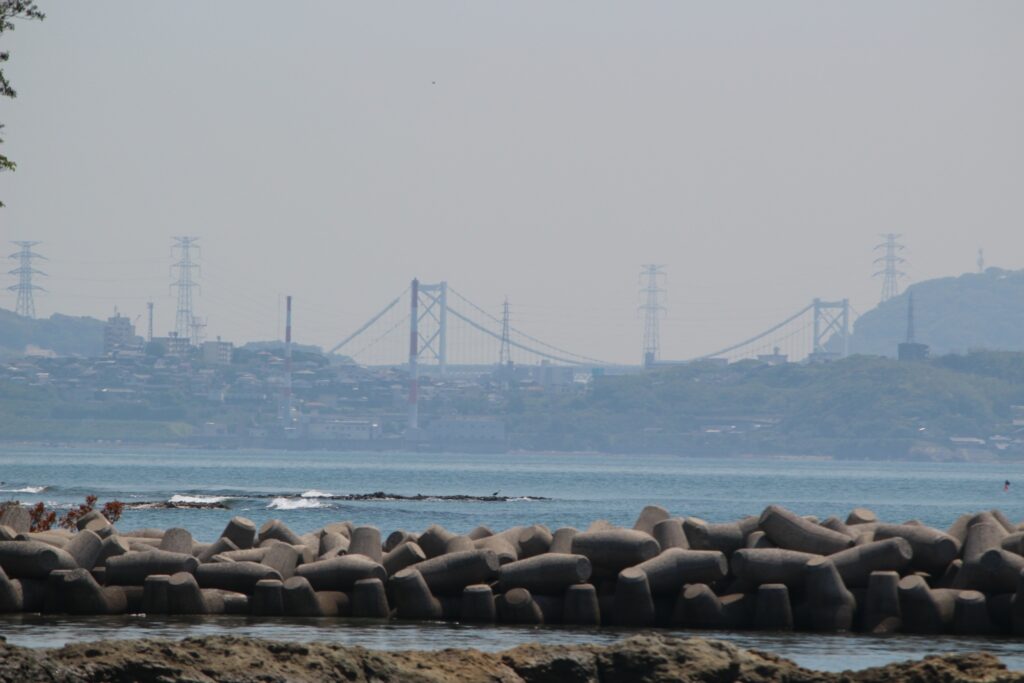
62,334
952,315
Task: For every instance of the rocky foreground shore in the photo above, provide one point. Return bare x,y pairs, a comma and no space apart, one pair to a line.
650,658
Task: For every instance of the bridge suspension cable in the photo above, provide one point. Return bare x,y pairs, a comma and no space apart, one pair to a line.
757,337
337,347
586,360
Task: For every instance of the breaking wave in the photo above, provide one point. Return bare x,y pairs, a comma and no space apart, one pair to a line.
313,493
294,504
26,489
198,500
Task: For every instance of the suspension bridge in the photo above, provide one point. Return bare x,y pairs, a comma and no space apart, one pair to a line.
442,331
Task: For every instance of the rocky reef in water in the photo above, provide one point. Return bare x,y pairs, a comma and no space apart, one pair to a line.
651,658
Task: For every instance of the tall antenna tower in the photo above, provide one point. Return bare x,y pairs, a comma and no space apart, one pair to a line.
910,318
505,354
26,305
149,322
651,278
186,325
890,261
981,260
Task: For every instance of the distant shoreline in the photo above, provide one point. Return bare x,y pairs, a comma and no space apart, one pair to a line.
795,457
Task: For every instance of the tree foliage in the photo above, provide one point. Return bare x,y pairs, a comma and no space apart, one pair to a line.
10,11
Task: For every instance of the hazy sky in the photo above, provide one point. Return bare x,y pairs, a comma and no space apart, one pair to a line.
539,150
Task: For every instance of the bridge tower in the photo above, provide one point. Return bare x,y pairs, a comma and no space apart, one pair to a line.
428,337
831,318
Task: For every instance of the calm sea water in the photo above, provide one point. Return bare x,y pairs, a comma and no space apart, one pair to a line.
554,489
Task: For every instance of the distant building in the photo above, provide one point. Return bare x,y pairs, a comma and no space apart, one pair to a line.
217,352
174,345
118,333
773,358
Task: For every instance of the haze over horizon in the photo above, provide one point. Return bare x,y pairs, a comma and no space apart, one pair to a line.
543,152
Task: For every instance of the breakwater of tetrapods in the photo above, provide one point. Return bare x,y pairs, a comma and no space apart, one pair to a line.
773,571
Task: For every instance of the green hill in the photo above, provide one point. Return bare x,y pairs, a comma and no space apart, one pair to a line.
861,406
63,334
951,315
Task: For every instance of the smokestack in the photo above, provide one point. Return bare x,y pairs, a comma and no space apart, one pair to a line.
414,338
288,359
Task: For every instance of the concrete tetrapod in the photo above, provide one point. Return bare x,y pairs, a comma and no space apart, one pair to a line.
370,600
633,604
534,540
366,541
970,614
176,540
154,594
669,533
478,604
500,546
925,610
132,569
298,599
279,531
238,577
1014,543
85,548
788,530
402,556
268,598
1002,569
32,559
669,571
933,549
449,574
221,545
856,564
649,516
547,574
771,565
184,595
412,596
581,606
333,541
882,613
561,540
241,531
282,558
828,605
82,595
615,549
699,607
517,606
982,537
724,538
434,540
340,573
773,611
397,538
861,516
458,544
11,598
